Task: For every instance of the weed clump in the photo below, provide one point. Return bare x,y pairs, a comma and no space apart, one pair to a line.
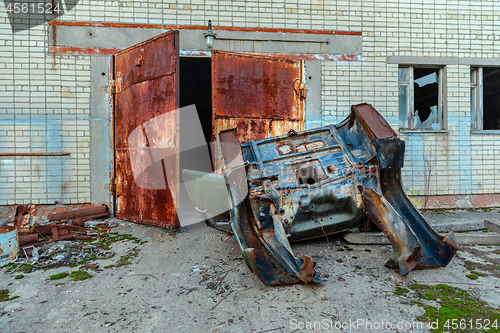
4,296
58,276
455,305
401,291
125,259
80,275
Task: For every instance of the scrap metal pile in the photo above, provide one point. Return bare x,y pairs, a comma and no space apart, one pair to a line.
55,243
319,182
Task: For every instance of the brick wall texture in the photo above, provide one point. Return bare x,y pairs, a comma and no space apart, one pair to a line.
45,98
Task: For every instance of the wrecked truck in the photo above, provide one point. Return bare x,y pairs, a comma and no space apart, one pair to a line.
319,182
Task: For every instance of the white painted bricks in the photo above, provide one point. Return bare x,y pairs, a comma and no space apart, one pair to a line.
45,98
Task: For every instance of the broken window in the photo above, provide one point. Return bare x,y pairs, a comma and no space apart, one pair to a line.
485,98
420,99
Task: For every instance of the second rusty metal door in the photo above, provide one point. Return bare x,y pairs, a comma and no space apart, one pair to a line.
146,137
260,96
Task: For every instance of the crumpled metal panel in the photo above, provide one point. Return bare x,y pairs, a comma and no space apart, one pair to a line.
25,218
324,181
260,235
9,244
258,95
147,79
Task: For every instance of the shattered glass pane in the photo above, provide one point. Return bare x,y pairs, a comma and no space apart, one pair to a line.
428,79
426,98
432,121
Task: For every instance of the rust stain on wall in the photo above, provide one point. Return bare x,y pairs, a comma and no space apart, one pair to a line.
203,27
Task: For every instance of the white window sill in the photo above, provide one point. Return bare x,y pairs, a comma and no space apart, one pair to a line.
485,132
409,131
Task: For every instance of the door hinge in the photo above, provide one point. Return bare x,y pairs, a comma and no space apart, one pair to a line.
115,186
302,92
139,61
112,87
300,89
112,185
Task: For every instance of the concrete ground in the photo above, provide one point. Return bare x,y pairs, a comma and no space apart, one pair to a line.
192,281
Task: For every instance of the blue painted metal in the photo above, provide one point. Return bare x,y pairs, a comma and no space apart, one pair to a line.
9,244
325,181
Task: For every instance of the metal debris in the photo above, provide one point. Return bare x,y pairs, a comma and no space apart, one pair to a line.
324,181
33,234
9,246
84,214
25,218
61,253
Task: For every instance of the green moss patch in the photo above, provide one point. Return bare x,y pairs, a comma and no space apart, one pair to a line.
114,237
472,276
125,259
493,268
58,276
24,268
401,291
19,277
4,296
458,310
92,257
80,275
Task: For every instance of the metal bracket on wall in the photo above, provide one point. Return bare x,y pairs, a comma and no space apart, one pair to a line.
112,185
300,89
112,87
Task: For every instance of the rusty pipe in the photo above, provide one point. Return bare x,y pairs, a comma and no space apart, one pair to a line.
34,154
92,211
26,239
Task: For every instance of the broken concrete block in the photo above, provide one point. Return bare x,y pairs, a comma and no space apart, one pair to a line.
493,225
378,238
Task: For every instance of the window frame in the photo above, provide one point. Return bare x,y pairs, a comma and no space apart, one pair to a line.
410,100
477,99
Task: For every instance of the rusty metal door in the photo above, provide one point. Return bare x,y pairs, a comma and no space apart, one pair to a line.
260,96
146,92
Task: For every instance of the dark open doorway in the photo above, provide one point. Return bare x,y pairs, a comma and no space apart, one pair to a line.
196,88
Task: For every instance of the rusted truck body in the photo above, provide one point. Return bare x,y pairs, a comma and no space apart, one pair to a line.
320,182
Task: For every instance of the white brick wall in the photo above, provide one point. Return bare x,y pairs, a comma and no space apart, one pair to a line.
44,108
44,98
424,29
